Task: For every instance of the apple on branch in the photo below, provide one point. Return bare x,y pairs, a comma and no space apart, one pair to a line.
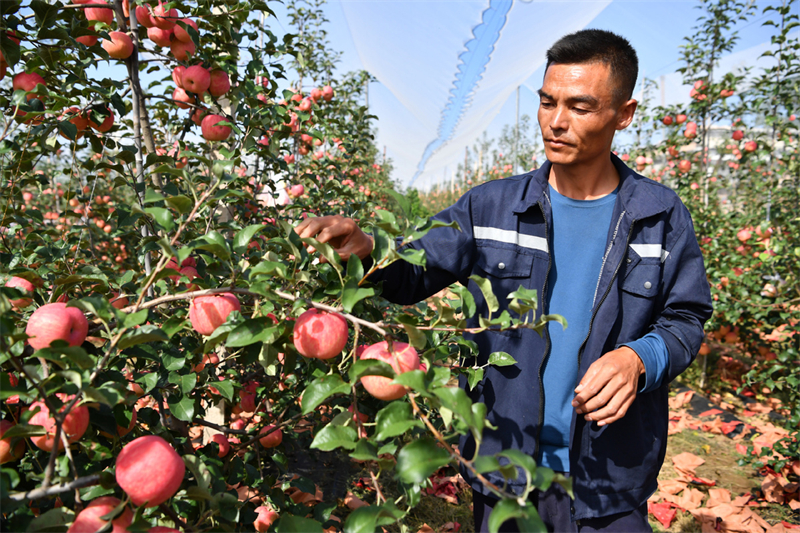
320,334
402,358
90,519
56,321
149,470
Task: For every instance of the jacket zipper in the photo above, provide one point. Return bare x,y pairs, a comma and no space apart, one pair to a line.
610,283
608,251
547,340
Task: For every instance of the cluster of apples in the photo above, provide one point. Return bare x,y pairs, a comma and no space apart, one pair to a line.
191,84
323,335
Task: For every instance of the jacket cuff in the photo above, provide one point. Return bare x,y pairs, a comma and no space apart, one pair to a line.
652,350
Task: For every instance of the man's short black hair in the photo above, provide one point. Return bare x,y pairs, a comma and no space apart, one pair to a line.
589,46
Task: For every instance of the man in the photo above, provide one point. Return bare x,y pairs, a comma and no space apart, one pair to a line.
613,252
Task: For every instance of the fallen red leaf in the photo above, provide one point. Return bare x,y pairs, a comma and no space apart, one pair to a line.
686,463
729,427
663,512
718,497
703,481
354,502
680,399
711,412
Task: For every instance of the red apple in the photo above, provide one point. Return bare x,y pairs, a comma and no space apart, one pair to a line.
316,94
305,105
74,425
737,135
177,75
327,93
78,118
165,19
402,358
100,14
56,321
224,445
667,120
211,359
108,120
182,50
744,235
183,35
220,83
680,119
750,146
182,98
320,334
120,46
685,165
273,439
88,40
149,470
27,81
266,516
212,132
89,520
198,114
7,452
196,79
159,36
23,285
143,17
162,529
207,313
296,191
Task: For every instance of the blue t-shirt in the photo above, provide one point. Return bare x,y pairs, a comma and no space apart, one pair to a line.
578,236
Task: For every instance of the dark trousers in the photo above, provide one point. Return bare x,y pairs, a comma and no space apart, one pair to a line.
553,506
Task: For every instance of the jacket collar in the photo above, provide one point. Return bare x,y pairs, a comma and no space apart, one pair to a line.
634,196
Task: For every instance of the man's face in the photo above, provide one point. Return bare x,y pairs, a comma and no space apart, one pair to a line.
579,114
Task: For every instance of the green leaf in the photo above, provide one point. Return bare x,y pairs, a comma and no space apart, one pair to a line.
183,409
294,524
474,376
180,203
416,337
520,459
402,201
130,320
187,383
413,256
147,333
468,307
215,243
486,288
486,463
384,244
327,251
333,436
370,367
554,318
413,379
367,519
527,517
53,520
225,389
394,419
162,216
244,236
501,359
352,294
455,399
253,330
419,459
365,451
321,389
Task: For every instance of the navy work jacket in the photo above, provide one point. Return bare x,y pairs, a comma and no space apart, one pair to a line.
652,279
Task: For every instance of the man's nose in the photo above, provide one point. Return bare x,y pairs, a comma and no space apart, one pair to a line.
558,120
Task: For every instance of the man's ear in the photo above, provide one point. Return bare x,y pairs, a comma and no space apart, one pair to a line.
625,113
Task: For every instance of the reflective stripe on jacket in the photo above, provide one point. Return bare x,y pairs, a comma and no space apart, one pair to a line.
652,279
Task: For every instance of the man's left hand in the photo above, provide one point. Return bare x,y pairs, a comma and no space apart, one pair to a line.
609,387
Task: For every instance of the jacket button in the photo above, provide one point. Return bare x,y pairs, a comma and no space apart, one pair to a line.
647,284
501,266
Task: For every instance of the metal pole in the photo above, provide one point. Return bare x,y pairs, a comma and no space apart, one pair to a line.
516,136
366,93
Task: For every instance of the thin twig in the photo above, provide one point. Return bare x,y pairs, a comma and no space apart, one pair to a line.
35,494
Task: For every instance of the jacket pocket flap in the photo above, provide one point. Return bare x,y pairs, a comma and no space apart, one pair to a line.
644,280
502,263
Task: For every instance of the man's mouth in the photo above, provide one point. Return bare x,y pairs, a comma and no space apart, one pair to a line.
556,143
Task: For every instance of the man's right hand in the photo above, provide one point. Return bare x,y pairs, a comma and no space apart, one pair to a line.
343,234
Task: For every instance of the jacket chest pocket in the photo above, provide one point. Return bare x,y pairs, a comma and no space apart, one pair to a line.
643,279
506,270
